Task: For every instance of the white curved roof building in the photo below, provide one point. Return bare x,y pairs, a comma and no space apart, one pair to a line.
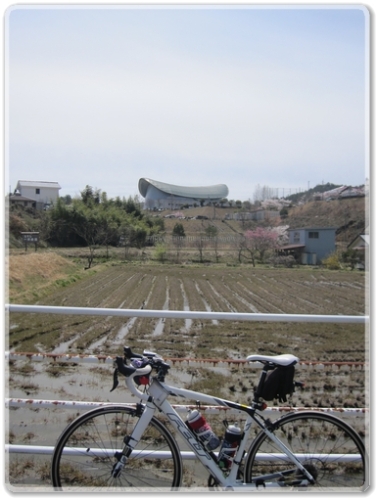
158,194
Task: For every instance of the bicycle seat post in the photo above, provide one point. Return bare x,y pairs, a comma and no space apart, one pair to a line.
260,385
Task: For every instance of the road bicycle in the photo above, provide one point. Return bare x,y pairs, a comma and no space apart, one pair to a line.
119,447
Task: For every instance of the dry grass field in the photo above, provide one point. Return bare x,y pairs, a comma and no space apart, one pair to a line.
53,280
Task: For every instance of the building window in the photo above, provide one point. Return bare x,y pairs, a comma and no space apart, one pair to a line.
297,237
37,191
313,234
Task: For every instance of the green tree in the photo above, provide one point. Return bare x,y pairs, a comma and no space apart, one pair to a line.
67,200
132,206
352,257
90,196
178,230
160,252
178,238
89,227
284,212
212,234
62,222
200,242
93,220
124,237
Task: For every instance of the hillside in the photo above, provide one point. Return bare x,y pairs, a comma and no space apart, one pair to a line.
347,215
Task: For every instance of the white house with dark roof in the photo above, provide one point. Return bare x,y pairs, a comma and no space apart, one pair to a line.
44,193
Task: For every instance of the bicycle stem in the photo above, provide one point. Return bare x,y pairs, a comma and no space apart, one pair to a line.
133,389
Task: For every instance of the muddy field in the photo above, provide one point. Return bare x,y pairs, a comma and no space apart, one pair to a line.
239,289
191,288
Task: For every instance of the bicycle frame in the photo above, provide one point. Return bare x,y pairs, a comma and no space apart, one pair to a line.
156,398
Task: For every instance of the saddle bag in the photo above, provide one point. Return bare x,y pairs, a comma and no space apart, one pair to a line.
279,383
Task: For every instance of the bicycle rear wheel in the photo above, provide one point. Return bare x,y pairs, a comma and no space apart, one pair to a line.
84,454
329,449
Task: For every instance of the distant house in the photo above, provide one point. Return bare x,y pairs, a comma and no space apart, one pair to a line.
360,243
310,245
22,201
341,192
361,246
44,193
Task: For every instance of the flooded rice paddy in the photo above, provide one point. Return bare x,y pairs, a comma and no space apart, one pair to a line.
307,291
245,290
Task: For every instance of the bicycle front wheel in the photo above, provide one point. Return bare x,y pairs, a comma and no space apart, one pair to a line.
84,454
328,448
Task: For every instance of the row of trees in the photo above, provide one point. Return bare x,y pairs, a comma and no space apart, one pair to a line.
252,245
93,220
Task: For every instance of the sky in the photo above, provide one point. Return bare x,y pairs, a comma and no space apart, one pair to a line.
245,96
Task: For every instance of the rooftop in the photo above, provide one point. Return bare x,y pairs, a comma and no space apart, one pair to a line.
207,192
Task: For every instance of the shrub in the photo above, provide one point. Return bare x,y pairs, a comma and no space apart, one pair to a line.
284,213
332,261
160,253
283,260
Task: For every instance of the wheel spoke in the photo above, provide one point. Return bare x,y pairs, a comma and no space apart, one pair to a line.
327,448
85,453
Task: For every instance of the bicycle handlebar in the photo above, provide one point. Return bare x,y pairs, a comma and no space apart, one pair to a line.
141,365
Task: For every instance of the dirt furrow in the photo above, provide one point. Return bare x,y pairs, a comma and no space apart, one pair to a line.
194,289
325,294
264,300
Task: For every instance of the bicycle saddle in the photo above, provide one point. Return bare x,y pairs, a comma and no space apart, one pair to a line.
280,360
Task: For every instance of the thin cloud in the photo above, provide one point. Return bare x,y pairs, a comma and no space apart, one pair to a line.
285,106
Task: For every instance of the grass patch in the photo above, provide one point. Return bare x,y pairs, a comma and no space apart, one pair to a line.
210,381
59,369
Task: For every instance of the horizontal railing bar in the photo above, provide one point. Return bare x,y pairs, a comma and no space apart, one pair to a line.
323,457
48,450
150,313
85,405
186,455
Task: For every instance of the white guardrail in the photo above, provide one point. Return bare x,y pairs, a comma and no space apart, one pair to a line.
305,318
151,313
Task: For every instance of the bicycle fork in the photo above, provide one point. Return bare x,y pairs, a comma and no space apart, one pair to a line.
131,441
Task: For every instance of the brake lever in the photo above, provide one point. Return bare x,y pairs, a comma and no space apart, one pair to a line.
115,380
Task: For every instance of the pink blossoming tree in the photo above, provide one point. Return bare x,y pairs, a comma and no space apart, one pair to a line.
257,243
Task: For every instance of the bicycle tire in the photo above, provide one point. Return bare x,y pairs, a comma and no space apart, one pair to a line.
84,454
328,448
